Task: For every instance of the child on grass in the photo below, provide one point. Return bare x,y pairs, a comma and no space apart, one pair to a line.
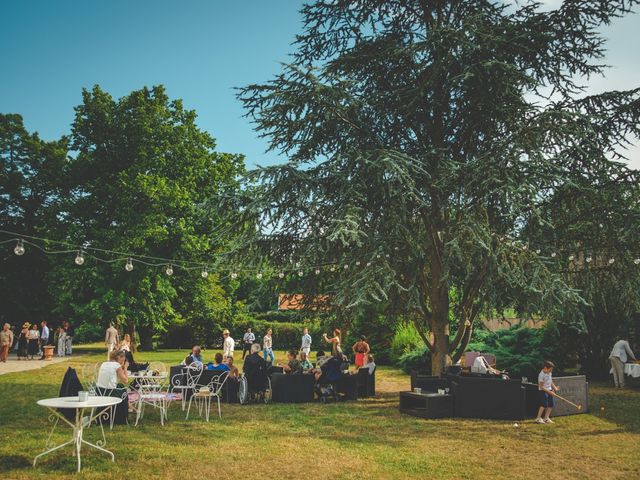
547,390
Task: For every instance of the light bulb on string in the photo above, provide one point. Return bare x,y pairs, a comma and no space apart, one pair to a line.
79,258
300,273
538,251
169,270
317,272
204,273
129,265
611,261
378,256
345,266
234,275
333,268
259,275
571,257
19,248
368,264
281,275
388,256
637,261
588,259
553,255
358,263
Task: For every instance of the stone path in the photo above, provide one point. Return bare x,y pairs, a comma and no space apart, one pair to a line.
14,365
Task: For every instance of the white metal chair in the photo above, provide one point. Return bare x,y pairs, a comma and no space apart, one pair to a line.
203,395
187,381
151,392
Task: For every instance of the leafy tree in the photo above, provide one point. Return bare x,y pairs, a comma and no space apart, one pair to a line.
423,136
143,182
590,232
32,184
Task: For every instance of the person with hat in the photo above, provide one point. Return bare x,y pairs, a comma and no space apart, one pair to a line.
229,344
23,341
6,342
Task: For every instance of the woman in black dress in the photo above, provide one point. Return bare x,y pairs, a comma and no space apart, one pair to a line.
23,342
34,341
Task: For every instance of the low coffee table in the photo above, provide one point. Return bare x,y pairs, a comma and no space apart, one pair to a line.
426,405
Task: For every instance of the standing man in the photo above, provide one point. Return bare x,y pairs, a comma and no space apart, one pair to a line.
247,340
111,339
619,355
44,337
6,341
229,344
306,341
68,329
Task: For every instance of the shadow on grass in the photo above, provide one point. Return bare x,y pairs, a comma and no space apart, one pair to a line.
11,462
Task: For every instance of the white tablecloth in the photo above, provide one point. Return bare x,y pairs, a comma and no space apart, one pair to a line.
632,369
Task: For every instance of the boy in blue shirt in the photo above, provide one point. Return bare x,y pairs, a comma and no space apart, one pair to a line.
547,390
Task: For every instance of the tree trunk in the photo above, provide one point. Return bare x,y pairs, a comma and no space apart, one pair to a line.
131,330
440,358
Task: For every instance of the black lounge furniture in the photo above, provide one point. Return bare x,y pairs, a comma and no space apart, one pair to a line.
292,388
426,405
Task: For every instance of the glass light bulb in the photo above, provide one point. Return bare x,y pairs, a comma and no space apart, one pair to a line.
129,266
378,256
637,261
368,264
553,255
300,273
571,257
19,248
169,270
358,263
79,258
611,261
234,275
588,259
281,275
538,251
259,275
333,269
204,273
317,271
346,266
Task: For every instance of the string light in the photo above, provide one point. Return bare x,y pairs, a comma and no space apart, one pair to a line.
358,263
129,266
637,261
611,261
79,258
538,251
169,270
333,268
281,275
300,273
204,273
259,275
588,259
368,264
345,266
19,249
234,275
553,255
317,271
571,257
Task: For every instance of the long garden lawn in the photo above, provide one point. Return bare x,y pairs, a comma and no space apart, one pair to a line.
359,440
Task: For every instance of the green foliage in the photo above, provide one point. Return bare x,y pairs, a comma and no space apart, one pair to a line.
88,333
406,339
519,350
417,360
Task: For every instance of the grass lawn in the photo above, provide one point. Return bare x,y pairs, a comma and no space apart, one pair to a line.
367,439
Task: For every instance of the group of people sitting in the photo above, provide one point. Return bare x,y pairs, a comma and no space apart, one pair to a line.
220,362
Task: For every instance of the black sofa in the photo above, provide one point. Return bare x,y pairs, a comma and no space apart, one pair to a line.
292,388
429,383
366,383
491,398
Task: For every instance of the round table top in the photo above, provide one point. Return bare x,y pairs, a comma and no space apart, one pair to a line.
72,402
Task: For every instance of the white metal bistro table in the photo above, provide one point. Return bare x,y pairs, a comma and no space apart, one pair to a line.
96,405
632,369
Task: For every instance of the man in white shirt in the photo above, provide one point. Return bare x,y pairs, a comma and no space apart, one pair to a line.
229,344
247,340
306,341
620,353
44,337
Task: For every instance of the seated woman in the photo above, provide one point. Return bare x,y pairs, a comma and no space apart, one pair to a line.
112,378
233,370
293,366
369,364
218,364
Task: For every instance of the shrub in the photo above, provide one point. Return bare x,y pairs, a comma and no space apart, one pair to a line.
518,350
418,360
405,340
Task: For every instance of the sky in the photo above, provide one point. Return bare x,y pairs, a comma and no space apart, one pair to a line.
199,50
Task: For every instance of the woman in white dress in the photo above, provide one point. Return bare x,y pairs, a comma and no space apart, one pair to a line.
112,381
